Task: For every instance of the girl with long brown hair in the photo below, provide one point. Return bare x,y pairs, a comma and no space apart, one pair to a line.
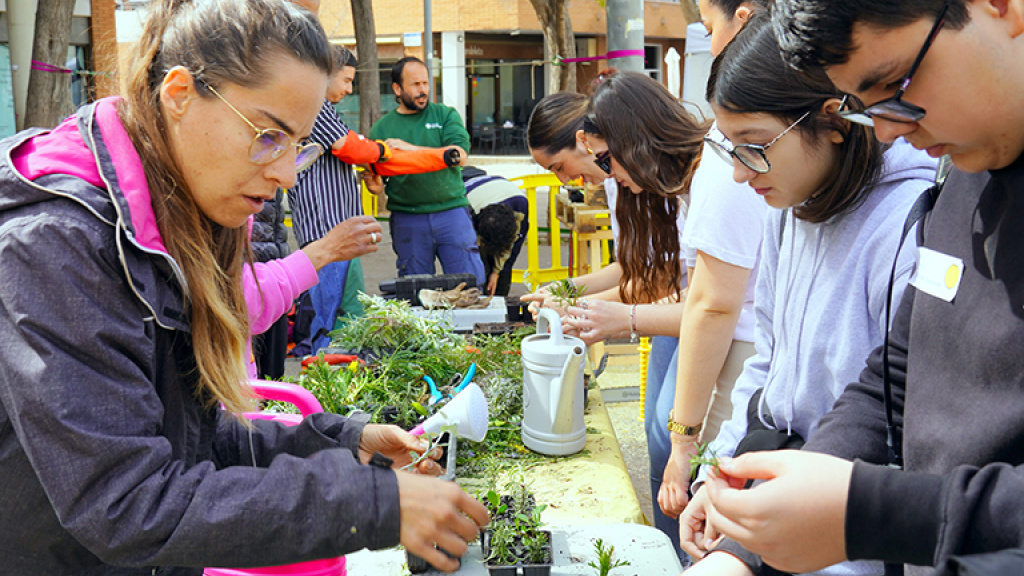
630,134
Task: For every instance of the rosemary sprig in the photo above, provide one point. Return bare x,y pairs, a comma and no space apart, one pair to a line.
705,456
566,292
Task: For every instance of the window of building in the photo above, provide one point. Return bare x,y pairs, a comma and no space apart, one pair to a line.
652,61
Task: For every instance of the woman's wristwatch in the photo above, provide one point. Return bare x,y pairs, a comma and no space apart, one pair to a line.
682,429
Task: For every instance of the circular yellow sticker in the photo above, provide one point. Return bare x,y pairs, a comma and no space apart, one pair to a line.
952,275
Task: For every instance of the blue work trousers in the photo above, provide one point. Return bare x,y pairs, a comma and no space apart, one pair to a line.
448,236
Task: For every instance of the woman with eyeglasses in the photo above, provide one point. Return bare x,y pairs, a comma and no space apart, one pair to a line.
123,327
826,257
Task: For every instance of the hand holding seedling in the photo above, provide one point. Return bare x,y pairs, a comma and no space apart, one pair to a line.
596,320
675,481
399,446
557,295
437,515
795,518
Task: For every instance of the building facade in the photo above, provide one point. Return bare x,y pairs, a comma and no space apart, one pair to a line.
488,55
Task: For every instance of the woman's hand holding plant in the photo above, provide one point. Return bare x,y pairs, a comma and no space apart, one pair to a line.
697,536
355,237
438,513
596,320
398,445
675,482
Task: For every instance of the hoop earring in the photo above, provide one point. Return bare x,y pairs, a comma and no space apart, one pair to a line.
590,150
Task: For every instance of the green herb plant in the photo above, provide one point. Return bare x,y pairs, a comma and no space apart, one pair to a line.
705,457
434,442
605,564
501,546
565,292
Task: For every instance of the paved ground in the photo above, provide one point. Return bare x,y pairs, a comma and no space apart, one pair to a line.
626,416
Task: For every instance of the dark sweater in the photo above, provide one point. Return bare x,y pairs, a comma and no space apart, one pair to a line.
957,370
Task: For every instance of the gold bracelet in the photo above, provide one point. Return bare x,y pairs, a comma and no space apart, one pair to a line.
682,429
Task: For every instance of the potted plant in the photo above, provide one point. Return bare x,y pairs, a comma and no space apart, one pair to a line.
515,539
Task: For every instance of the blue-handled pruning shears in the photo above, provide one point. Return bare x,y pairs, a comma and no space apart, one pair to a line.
463,380
470,372
435,394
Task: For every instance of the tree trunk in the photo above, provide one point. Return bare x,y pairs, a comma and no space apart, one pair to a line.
559,40
690,11
48,92
369,78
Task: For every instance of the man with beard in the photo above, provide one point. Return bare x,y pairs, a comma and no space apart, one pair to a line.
430,216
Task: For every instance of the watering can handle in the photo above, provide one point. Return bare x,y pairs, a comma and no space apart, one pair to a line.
285,392
548,321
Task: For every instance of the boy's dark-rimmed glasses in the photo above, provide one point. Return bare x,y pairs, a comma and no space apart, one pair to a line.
894,109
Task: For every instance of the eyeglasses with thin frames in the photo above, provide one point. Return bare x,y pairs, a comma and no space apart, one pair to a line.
894,109
270,143
750,155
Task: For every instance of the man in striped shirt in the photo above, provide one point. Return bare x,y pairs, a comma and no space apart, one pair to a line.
326,194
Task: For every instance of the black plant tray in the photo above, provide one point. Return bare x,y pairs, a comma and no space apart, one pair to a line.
528,569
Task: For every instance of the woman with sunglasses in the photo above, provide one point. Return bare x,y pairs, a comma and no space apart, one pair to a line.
647,217
651,153
827,255
123,326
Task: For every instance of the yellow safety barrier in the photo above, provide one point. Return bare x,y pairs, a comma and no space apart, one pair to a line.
645,355
370,201
534,273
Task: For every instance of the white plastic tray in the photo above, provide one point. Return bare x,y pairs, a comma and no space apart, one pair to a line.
648,551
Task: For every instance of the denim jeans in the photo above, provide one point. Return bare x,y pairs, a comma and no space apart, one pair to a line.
326,298
661,391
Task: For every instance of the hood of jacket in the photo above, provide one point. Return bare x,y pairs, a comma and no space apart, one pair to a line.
90,159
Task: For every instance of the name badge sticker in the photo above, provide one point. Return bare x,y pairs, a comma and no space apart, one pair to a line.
937,274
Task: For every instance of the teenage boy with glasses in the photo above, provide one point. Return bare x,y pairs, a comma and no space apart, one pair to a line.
956,349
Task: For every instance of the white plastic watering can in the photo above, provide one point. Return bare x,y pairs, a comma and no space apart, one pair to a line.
553,389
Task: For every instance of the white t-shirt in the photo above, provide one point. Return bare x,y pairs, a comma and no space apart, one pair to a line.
725,221
611,190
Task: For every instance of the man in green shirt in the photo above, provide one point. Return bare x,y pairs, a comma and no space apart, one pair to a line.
430,216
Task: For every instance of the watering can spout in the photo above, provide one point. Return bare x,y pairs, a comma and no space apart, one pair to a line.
563,391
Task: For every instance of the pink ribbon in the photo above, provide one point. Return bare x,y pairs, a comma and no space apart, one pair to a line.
37,65
608,56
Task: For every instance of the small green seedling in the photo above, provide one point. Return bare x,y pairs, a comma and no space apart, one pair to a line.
416,458
705,457
605,564
566,292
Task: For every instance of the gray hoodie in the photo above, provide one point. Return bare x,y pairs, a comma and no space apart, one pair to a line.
820,305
